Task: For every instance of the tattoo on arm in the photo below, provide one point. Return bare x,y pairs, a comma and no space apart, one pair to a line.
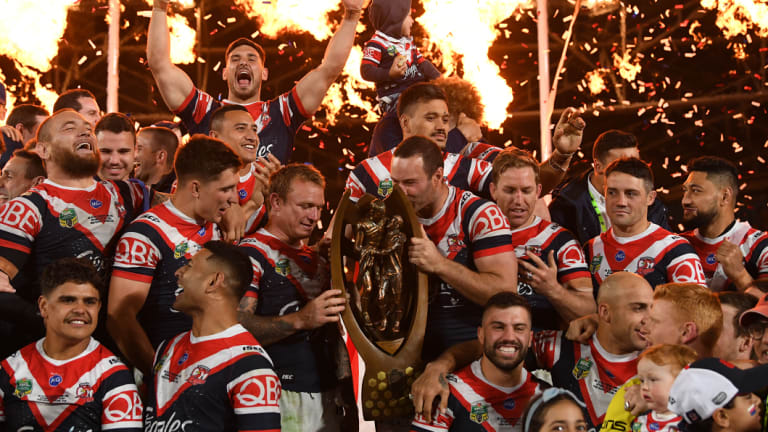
443,382
266,329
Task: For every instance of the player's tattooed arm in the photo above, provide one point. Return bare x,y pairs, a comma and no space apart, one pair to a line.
266,329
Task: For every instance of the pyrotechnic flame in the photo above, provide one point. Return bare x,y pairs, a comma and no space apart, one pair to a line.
737,17
182,40
595,81
464,42
32,52
628,69
291,15
346,90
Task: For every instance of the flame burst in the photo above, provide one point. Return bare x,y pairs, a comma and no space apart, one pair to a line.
291,15
595,81
182,40
627,68
461,42
737,17
33,55
347,90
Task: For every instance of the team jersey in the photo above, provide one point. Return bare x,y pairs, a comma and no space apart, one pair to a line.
477,405
465,229
541,237
50,222
752,243
284,280
153,248
655,254
220,382
277,120
90,392
374,176
588,371
481,150
380,51
655,422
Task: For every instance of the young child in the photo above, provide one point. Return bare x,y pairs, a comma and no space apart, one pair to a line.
390,58
712,395
657,368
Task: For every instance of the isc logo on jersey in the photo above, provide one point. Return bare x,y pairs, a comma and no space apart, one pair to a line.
261,389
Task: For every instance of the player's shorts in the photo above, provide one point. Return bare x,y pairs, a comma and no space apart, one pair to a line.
309,412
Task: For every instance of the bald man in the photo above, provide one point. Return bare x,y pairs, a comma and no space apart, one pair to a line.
623,304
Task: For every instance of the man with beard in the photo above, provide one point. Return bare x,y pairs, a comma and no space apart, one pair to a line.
732,252
423,111
493,391
595,368
68,215
278,119
116,139
553,273
162,240
153,160
633,243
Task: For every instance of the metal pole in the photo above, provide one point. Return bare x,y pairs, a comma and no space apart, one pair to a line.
542,30
113,55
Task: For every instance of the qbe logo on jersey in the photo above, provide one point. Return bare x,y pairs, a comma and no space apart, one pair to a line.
259,390
124,407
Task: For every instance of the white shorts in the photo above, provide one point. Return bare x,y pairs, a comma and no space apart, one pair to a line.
308,412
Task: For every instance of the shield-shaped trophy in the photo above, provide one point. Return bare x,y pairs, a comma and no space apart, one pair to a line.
386,312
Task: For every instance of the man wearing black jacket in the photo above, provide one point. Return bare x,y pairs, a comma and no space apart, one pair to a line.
579,205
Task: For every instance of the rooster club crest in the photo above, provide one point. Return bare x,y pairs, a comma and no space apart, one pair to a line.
581,370
455,244
180,250
645,265
68,218
385,188
199,375
479,413
85,391
23,387
283,267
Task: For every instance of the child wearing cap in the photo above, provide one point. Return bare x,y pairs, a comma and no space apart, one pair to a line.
714,395
657,368
390,58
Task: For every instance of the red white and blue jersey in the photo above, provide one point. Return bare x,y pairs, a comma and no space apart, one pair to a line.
244,194
539,238
153,248
753,244
477,405
380,51
653,422
285,279
50,222
221,382
589,371
277,120
374,175
655,254
465,229
90,392
481,150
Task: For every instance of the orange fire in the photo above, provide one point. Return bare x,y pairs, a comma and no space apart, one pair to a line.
292,15
595,81
33,55
468,44
737,17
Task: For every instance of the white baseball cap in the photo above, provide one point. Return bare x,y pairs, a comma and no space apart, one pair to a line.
708,384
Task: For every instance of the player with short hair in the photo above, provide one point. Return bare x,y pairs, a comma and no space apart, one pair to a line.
277,120
23,171
215,377
732,252
153,160
160,241
82,101
116,139
67,380
25,119
633,243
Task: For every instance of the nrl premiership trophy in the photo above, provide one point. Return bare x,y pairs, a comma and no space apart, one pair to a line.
386,313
